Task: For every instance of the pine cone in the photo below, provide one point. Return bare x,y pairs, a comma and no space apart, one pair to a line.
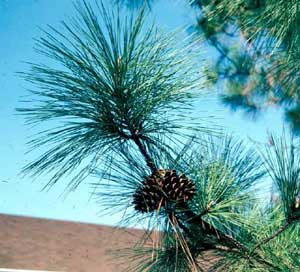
162,188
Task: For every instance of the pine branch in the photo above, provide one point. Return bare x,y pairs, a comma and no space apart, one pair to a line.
231,244
283,228
111,77
150,163
210,230
190,216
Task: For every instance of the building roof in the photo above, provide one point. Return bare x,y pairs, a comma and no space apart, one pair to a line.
42,244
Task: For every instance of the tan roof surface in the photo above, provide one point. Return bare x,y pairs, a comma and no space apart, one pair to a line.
31,243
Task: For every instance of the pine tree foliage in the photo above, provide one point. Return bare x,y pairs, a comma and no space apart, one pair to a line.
116,98
257,44
112,84
226,219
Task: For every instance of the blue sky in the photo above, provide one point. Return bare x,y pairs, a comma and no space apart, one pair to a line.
20,21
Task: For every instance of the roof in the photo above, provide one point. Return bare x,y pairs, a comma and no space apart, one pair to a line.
42,244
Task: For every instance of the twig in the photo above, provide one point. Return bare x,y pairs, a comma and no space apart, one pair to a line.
150,163
274,235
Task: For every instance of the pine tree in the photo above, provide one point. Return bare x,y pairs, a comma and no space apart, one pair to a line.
257,44
120,95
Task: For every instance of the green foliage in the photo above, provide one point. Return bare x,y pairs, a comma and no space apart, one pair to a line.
168,256
284,167
225,173
119,94
111,81
265,72
281,252
226,218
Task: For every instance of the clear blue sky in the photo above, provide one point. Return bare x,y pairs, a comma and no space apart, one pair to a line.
19,24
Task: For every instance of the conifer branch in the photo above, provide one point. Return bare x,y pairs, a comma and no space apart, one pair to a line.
150,163
283,228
